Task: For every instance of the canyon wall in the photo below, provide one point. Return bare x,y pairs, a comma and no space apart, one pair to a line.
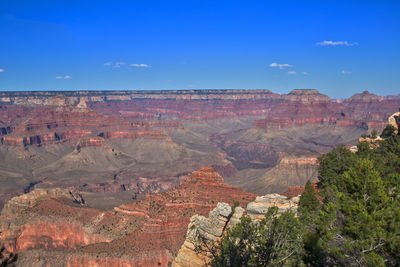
108,178
122,145
149,232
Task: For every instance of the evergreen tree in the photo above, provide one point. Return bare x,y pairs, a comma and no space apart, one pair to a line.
388,131
331,168
357,225
275,241
309,203
374,134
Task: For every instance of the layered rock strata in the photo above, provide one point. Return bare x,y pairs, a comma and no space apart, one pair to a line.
147,232
204,233
118,146
202,229
258,208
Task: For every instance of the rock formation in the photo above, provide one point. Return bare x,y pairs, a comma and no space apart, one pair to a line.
121,145
258,208
148,232
202,229
110,148
204,233
394,120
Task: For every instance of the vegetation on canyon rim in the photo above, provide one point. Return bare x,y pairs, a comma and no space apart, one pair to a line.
357,223
7,259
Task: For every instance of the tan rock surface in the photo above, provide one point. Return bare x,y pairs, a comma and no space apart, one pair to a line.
394,120
258,208
205,232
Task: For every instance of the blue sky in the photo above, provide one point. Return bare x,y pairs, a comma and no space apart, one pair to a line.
337,47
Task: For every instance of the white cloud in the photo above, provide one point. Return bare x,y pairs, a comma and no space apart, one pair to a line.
344,72
121,63
304,73
2,70
280,66
63,77
291,72
336,43
118,64
140,65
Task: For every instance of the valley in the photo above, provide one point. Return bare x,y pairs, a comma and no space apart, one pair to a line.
114,147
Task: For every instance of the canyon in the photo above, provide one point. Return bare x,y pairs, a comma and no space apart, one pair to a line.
117,146
148,232
100,178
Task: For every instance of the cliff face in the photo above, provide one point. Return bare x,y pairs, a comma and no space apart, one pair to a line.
108,149
201,229
299,107
122,145
309,107
290,171
203,233
148,232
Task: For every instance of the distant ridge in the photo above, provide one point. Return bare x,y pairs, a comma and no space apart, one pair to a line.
195,92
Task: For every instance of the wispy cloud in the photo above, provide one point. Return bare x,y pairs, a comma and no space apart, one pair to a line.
336,43
291,72
304,73
280,66
121,63
140,65
2,70
118,64
63,77
344,72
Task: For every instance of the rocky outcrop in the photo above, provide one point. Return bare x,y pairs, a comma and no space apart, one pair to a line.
394,120
81,106
26,201
149,232
373,142
258,208
204,233
200,231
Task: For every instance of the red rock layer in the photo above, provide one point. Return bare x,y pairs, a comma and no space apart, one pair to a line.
51,235
146,233
37,118
43,125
